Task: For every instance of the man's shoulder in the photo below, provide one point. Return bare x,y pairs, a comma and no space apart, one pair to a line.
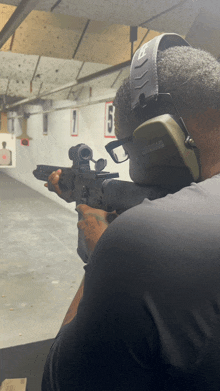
197,205
198,198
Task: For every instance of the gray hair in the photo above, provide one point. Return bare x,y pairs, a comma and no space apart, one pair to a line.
190,75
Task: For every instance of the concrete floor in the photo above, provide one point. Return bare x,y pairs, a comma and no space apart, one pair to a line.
40,270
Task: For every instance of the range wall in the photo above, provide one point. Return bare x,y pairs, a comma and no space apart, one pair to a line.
52,149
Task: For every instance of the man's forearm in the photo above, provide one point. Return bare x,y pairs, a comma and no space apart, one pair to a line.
74,305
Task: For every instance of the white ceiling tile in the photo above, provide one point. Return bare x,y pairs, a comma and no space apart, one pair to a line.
3,86
89,68
178,20
17,66
10,2
19,88
125,12
42,5
57,71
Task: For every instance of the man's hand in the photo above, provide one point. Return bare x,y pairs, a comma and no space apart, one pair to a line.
93,224
53,185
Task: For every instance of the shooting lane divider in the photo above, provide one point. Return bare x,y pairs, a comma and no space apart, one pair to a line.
24,136
4,123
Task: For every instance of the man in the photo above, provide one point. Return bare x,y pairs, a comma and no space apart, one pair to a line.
149,317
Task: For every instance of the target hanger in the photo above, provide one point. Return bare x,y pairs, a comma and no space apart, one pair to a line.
24,135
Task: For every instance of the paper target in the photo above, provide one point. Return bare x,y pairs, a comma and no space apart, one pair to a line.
7,150
109,120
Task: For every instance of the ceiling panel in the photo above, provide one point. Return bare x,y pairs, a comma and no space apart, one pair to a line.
128,12
112,46
41,34
17,66
52,38
20,88
51,73
89,68
57,70
125,12
42,5
56,35
3,85
205,32
178,20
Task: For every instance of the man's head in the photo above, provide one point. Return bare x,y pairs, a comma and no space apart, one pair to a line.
192,77
4,144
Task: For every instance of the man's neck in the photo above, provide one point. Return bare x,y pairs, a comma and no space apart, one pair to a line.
210,165
205,130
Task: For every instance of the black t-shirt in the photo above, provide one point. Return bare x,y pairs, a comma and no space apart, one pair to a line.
150,314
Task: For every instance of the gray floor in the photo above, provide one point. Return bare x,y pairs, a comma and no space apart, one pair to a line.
40,270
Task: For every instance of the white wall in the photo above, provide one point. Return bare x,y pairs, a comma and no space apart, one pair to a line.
52,149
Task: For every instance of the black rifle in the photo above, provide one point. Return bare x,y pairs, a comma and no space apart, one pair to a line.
96,188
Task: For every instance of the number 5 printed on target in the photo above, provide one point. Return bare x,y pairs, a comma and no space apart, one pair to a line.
109,120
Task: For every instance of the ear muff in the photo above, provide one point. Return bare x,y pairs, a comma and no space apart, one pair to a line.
163,143
143,72
161,148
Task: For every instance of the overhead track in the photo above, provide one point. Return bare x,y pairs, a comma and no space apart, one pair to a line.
119,74
55,5
21,12
82,80
80,69
80,40
75,106
143,39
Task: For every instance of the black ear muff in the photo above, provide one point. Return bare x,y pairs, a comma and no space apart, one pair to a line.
143,71
163,144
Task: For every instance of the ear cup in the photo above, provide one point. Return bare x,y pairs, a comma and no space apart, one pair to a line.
159,156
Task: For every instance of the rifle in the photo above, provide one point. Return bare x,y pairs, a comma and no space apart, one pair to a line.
97,188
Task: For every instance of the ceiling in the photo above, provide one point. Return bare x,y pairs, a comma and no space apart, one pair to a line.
52,44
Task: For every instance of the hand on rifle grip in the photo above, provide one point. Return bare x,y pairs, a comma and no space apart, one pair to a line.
93,224
53,180
53,185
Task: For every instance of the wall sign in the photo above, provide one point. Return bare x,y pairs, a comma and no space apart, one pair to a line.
74,122
109,120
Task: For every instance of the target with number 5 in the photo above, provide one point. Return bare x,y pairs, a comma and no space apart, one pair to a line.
109,120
